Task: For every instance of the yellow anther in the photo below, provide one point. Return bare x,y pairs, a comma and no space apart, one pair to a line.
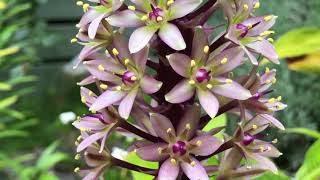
278,106
279,98
193,63
173,161
169,130
89,130
245,6
82,129
260,38
103,86
192,82
77,157
274,80
224,61
199,143
229,81
267,70
280,154
262,149
126,61
93,111
249,167
144,18
268,18
160,150
266,33
76,143
118,88
268,148
78,26
83,99
159,18
256,5
206,49
271,100
79,3
74,40
90,93
254,126
249,25
79,138
268,81
77,169
275,141
170,2
132,8
133,78
193,163
101,68
106,52
115,51
85,7
188,126
209,86
270,40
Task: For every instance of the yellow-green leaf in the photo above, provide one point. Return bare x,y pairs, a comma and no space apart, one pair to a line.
134,159
4,103
8,51
5,86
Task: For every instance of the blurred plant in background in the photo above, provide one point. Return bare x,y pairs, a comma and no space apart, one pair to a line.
18,42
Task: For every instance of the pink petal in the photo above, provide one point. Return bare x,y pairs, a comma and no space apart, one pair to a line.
93,27
251,57
266,49
180,93
140,38
232,90
151,152
208,102
107,64
194,172
209,145
161,124
272,120
180,63
106,99
90,140
140,58
181,8
86,81
121,44
168,171
127,103
92,67
261,27
191,117
149,85
200,40
235,57
126,18
171,35
88,99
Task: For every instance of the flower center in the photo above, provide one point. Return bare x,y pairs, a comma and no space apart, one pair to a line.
128,77
156,14
247,139
243,28
179,148
203,75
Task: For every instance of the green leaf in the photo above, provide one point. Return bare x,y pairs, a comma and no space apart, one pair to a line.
310,168
5,86
49,158
12,113
12,133
4,103
217,122
298,42
48,176
134,159
304,131
270,175
22,79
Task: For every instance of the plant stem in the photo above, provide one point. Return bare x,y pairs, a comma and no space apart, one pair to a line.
133,167
129,127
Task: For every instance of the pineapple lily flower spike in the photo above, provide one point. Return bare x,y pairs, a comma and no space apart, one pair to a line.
156,75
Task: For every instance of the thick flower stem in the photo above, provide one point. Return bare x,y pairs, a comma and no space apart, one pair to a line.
225,146
129,127
133,167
